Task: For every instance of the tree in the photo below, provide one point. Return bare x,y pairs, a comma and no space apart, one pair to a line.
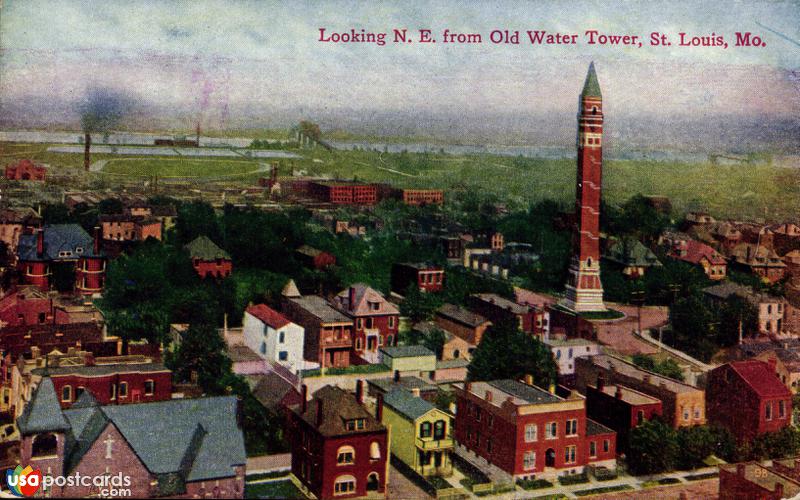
202,355
197,218
737,312
667,367
434,340
693,326
771,445
110,206
419,306
698,442
652,448
506,352
56,213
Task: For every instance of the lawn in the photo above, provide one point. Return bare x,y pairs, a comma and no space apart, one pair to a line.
179,167
275,489
605,489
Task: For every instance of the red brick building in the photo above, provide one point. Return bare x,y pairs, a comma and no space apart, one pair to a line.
427,277
753,481
16,222
527,431
113,384
208,259
748,398
462,323
124,227
181,448
61,244
496,308
699,254
375,320
344,192
25,170
339,449
315,258
418,197
329,333
620,408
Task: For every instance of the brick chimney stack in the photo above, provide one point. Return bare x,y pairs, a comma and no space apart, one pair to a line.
601,382
618,393
351,298
360,391
40,242
87,144
304,396
97,240
379,408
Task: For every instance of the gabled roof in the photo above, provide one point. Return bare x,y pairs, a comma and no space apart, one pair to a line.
320,309
631,252
310,251
760,377
406,404
338,406
204,249
363,296
407,351
268,316
591,87
58,238
43,412
461,315
290,289
695,251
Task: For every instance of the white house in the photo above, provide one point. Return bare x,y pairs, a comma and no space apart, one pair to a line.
273,337
566,350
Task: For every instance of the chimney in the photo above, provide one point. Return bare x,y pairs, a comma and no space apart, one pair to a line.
304,396
740,469
319,412
778,490
351,298
529,379
88,359
618,393
601,382
35,352
379,408
467,386
40,242
360,391
552,388
87,144
415,392
97,240
489,396
396,376
646,378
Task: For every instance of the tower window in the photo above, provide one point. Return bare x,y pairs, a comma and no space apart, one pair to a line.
594,110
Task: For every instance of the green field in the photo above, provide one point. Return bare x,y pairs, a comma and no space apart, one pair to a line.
179,167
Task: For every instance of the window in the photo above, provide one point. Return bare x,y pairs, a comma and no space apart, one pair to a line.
606,445
530,433
569,353
283,356
697,413
263,348
391,321
769,410
149,387
551,430
489,445
569,455
345,455
389,340
439,429
478,413
80,390
123,389
113,393
425,430
639,417
686,413
781,409
344,485
66,393
281,337
529,460
355,424
45,445
42,317
374,451
558,354
592,449
572,427
360,323
358,343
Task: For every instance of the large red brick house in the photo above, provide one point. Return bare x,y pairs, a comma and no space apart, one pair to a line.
344,192
126,227
329,333
527,431
25,170
496,308
59,244
375,320
699,254
339,449
748,398
755,481
208,259
181,448
113,384
427,277
315,258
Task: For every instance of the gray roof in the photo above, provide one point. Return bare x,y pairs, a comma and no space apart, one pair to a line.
509,305
165,434
57,238
407,351
96,370
594,428
43,412
406,404
318,307
452,363
461,315
407,383
529,393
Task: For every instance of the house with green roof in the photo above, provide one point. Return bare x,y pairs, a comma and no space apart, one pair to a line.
421,434
631,256
408,358
190,448
208,259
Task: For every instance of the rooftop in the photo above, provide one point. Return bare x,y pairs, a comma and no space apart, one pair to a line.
461,315
591,87
595,428
760,377
319,308
366,301
628,369
407,351
61,242
97,370
268,316
629,395
510,305
406,404
204,249
408,383
510,390
338,407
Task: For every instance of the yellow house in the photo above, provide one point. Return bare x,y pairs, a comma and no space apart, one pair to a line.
421,433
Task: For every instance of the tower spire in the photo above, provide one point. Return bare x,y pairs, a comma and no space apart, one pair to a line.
591,87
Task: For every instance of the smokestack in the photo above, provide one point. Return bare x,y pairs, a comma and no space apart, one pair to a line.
319,412
87,144
40,242
304,395
97,240
359,391
379,408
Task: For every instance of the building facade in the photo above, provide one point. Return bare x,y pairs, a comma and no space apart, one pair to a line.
273,337
375,320
328,332
208,259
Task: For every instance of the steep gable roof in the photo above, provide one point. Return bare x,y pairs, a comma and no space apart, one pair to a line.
204,249
760,377
338,406
363,296
696,250
268,316
43,412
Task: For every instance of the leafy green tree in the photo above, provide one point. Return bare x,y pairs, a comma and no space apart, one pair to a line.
735,313
771,445
201,354
56,213
652,448
506,352
693,328
109,206
197,218
419,306
667,367
434,340
696,443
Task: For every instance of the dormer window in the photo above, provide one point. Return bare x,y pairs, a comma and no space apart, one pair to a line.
79,250
355,424
374,306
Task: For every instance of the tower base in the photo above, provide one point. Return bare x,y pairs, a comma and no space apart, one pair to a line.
584,290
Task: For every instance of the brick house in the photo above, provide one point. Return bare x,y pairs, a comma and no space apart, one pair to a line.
182,448
375,320
682,404
462,323
273,337
344,192
314,258
748,398
620,408
527,431
329,333
699,254
754,481
208,259
787,365
25,170
771,309
112,384
421,197
339,449
59,244
759,260
124,227
427,277
496,308
46,337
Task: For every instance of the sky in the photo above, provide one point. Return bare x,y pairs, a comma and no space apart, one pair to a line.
229,63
